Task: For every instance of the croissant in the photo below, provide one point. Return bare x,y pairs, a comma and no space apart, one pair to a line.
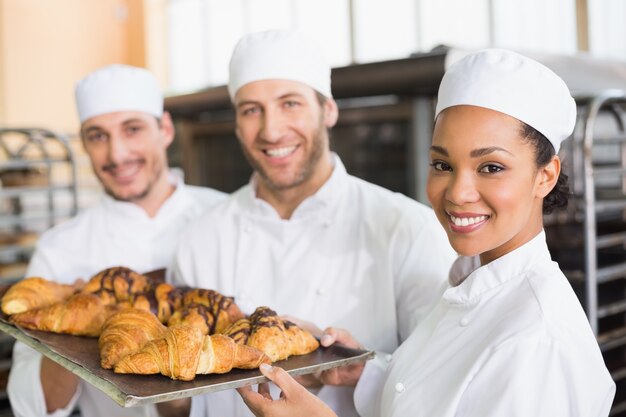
185,352
239,331
202,317
278,338
118,284
81,314
169,298
162,301
268,333
300,340
125,332
34,292
211,311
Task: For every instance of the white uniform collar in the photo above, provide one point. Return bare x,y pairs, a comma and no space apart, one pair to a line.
469,280
134,212
323,199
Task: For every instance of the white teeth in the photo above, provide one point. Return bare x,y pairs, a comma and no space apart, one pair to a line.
466,221
126,170
280,152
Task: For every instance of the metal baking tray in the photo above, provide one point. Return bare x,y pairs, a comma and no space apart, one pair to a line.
80,355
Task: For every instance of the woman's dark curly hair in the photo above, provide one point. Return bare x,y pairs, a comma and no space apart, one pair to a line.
544,151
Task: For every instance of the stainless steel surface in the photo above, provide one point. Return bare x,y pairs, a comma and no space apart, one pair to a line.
592,241
422,116
38,148
38,191
591,108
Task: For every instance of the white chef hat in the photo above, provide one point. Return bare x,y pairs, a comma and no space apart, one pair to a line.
513,84
278,55
118,88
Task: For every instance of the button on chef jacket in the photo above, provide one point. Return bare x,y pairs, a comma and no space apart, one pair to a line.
109,234
354,255
511,339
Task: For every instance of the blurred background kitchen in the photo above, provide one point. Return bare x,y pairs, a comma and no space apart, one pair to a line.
388,59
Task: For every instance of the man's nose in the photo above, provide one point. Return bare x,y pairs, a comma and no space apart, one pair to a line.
273,127
118,149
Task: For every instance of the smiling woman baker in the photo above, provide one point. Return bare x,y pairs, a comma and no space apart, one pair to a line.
509,337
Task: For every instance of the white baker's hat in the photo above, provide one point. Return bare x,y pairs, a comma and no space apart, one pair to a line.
278,55
118,88
513,84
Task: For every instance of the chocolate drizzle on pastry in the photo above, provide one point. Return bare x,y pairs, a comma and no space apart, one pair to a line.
266,331
118,283
208,310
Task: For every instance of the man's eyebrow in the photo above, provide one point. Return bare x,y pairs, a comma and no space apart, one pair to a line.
134,119
281,97
246,103
92,129
486,151
290,94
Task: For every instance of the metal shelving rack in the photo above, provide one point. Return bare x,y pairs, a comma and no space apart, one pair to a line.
589,239
39,189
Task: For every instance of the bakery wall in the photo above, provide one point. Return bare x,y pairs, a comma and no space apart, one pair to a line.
45,46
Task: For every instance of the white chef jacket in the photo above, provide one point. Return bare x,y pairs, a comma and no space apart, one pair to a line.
109,234
511,339
353,255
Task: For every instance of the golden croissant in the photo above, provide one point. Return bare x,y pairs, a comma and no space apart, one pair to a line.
81,314
118,284
278,338
34,292
162,301
185,352
125,332
239,331
203,317
219,312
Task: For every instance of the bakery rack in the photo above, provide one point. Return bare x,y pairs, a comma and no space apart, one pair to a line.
588,240
37,190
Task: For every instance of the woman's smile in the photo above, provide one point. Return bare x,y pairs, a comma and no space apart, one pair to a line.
466,222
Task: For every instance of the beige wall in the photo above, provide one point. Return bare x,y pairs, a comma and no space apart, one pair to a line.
45,46
2,64
155,32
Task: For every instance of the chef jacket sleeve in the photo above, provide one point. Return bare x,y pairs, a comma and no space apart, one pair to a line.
368,390
24,385
422,272
539,376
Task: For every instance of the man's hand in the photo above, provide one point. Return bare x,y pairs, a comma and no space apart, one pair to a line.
59,385
345,375
174,408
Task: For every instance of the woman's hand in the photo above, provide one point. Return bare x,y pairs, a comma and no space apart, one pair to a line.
345,375
294,399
